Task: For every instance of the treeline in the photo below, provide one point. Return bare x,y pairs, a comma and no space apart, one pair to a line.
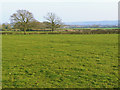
24,20
86,31
34,25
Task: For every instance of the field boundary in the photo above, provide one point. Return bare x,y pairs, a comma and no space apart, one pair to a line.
113,31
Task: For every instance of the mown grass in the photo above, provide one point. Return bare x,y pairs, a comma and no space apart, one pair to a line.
60,61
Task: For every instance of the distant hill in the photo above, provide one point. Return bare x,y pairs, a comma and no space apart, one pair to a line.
93,23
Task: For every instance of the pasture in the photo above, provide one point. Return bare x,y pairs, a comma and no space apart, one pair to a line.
60,61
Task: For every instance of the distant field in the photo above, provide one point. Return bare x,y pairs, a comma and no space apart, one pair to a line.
60,61
89,28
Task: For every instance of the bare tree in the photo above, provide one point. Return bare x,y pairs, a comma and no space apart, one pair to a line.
54,20
21,19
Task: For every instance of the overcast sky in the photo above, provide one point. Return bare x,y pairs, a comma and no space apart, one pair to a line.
67,10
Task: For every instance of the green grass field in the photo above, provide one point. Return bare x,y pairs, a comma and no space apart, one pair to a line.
60,61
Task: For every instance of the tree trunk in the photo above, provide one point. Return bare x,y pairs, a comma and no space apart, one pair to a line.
52,29
53,26
24,31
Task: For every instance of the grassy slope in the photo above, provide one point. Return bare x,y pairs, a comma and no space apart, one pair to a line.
77,61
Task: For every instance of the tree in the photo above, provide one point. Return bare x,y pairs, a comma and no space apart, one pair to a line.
0,26
36,25
6,26
47,24
54,20
21,19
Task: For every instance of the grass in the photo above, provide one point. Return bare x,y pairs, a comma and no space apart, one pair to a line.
60,61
